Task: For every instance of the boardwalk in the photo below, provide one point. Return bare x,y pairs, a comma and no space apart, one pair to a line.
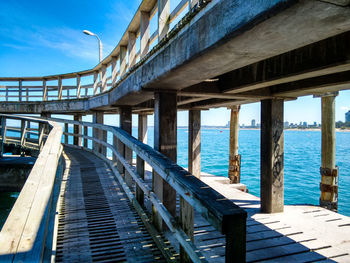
96,222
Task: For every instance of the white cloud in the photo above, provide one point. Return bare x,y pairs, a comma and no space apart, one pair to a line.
344,108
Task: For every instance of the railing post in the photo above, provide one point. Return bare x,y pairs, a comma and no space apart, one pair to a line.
95,86
97,133
271,156
122,60
126,125
104,78
165,141
140,163
114,70
163,18
66,130
104,138
77,130
194,167
20,90
23,135
235,233
60,88
144,38
132,48
234,167
44,90
78,87
3,134
85,139
328,170
192,3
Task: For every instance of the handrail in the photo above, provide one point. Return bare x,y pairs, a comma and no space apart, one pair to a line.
126,48
24,233
224,215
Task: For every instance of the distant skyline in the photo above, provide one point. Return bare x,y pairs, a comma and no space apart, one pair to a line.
44,38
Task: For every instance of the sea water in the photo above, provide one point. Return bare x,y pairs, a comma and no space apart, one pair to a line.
302,159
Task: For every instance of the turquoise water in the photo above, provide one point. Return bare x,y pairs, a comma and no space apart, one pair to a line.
301,158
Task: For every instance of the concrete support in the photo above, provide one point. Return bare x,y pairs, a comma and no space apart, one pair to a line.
140,164
144,29
271,156
165,141
132,48
163,18
97,117
95,85
194,167
77,129
103,78
234,168
20,90
114,70
328,170
122,60
125,124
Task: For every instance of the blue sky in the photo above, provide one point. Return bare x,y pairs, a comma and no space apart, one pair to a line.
45,37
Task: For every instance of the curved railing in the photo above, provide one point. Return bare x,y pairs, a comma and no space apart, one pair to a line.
24,235
116,146
108,73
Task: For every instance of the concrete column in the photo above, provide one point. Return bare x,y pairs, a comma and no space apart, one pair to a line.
103,78
95,84
144,29
132,48
271,156
163,18
140,164
122,60
20,90
328,170
126,125
165,141
77,129
194,167
97,117
234,168
114,70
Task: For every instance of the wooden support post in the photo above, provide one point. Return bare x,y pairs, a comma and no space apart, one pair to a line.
115,145
165,141
194,167
328,170
60,88
95,85
44,90
7,94
126,125
271,156
20,90
104,138
122,60
114,70
86,145
78,87
144,29
3,135
97,117
163,18
66,130
77,129
236,236
132,48
234,168
103,78
140,163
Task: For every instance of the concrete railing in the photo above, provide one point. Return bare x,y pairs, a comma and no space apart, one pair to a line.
125,57
115,146
24,235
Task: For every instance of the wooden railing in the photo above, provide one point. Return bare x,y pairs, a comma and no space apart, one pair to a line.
125,57
110,143
25,232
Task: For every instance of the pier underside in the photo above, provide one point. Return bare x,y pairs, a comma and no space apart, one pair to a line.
96,222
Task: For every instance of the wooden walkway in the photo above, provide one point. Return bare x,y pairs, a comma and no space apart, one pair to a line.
96,222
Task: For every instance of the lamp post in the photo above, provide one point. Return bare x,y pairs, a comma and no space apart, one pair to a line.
87,32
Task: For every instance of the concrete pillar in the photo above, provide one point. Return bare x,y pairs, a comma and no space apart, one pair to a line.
122,60
194,167
95,84
328,170
165,141
97,117
163,18
271,156
140,164
234,168
132,48
114,70
144,29
103,78
77,129
126,125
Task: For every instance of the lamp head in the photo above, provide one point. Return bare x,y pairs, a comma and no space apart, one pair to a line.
87,32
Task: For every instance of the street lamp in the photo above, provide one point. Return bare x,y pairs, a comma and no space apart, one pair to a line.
87,32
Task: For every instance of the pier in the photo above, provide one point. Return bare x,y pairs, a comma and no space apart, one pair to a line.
97,194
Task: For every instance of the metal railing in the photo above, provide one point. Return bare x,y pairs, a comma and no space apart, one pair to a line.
25,232
125,57
112,144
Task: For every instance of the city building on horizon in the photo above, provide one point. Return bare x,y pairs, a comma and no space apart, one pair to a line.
347,116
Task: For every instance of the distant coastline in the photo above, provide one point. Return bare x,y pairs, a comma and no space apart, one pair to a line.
258,128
